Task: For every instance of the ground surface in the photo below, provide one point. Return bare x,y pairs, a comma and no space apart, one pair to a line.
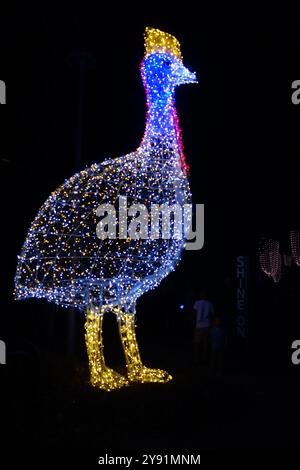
53,407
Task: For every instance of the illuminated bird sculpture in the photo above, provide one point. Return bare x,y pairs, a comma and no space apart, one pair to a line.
65,259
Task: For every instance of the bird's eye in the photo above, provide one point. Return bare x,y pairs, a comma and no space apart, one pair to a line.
167,63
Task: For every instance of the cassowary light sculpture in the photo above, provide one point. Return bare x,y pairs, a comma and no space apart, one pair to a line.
65,259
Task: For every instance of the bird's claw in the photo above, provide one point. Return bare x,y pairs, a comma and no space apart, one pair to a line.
108,379
145,374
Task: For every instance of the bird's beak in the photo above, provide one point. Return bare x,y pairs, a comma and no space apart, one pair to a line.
185,76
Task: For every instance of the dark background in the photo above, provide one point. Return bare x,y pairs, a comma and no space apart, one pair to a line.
241,136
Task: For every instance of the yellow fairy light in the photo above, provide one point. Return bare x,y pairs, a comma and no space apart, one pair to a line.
136,371
158,41
101,376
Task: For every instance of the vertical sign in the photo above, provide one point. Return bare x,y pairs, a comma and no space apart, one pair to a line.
242,296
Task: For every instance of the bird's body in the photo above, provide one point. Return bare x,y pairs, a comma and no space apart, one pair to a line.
66,261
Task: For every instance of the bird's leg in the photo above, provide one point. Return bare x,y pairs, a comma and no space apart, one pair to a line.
101,376
137,372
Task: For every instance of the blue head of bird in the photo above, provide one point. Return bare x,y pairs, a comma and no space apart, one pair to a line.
162,72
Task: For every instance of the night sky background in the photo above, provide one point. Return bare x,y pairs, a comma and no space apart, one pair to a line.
241,137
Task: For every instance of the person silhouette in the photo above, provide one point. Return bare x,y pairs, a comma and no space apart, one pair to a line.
204,312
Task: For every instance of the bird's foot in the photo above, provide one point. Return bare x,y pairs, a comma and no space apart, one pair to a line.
108,379
145,374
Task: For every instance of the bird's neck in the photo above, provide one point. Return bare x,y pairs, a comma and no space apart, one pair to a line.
162,126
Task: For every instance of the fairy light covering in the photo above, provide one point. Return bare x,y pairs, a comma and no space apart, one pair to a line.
136,371
295,246
101,376
270,259
64,261
158,41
